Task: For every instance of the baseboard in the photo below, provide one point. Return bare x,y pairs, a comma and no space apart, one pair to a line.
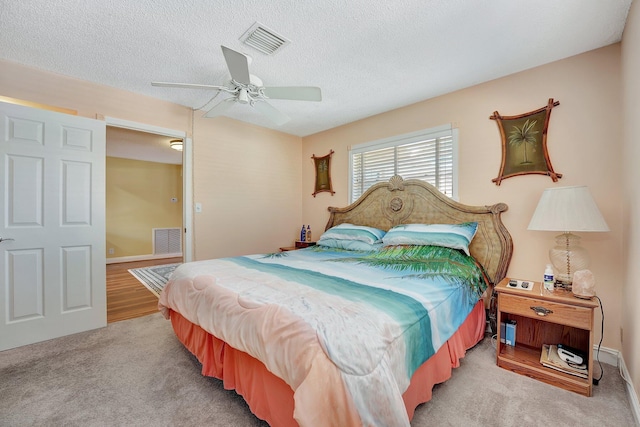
141,258
631,392
613,357
607,355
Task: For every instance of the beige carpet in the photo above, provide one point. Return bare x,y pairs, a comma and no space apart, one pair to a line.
136,373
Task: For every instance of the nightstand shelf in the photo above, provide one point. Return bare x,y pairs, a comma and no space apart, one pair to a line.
569,322
297,245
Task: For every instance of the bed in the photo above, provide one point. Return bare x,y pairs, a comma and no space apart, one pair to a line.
339,334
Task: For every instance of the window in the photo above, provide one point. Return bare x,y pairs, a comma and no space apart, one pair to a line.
429,155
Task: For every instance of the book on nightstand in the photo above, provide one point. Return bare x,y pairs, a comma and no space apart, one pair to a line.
549,358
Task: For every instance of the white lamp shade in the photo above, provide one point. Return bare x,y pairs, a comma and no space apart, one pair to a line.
567,209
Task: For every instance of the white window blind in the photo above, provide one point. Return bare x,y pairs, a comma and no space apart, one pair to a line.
429,155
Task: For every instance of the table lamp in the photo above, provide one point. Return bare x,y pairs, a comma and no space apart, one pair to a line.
567,209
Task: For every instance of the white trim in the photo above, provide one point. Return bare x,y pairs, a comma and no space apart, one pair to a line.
187,172
141,258
454,182
127,124
609,356
613,357
187,192
434,132
631,392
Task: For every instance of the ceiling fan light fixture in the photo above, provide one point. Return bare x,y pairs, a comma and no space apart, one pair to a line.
243,97
176,144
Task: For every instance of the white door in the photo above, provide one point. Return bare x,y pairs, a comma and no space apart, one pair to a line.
52,226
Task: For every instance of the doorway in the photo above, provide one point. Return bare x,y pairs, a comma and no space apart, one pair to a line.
187,168
144,214
145,151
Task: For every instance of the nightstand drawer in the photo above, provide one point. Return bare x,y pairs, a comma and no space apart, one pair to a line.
564,314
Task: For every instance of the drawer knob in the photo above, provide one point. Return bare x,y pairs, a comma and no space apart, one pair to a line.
541,311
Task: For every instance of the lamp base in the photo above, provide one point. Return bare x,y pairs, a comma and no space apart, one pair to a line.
560,284
567,256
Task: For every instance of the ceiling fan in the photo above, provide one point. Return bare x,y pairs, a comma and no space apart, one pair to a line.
246,88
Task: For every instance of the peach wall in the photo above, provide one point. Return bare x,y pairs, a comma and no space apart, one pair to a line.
90,99
247,179
584,144
631,247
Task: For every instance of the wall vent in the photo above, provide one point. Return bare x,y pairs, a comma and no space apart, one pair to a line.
167,241
264,39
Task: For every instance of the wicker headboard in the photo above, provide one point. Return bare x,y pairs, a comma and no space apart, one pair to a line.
388,204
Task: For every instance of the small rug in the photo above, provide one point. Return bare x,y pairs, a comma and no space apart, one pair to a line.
155,277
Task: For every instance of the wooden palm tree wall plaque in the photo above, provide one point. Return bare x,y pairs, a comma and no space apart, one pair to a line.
524,143
323,174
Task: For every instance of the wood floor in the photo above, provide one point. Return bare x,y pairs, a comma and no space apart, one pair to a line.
127,298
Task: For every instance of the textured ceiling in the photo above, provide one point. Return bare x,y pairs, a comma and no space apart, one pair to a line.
368,56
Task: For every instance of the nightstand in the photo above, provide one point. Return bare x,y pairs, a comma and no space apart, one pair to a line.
550,318
298,245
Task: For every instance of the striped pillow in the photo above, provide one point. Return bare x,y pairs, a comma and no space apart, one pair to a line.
455,236
347,231
350,245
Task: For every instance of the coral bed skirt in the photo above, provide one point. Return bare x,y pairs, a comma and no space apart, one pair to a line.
271,399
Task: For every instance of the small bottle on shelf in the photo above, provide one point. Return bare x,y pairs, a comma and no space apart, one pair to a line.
548,281
303,234
308,234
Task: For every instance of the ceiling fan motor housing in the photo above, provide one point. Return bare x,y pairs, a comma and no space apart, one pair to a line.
249,93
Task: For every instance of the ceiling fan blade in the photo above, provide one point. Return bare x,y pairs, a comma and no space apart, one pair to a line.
221,108
238,64
296,93
271,112
186,85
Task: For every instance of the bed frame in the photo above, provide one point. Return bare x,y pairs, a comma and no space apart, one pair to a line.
413,201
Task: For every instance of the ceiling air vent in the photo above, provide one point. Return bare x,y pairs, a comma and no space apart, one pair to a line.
264,39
